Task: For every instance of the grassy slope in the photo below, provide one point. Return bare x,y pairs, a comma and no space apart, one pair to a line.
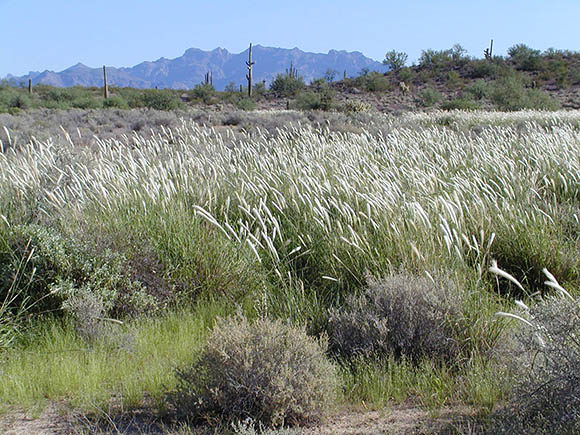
287,226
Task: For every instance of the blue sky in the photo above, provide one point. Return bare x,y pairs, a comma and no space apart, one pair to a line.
54,35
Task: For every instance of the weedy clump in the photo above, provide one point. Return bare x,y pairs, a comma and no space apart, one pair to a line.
267,370
402,316
544,355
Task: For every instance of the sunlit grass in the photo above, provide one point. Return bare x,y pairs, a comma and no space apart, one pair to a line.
288,225
130,363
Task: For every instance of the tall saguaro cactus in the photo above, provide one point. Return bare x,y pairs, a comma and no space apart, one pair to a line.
106,89
208,80
249,63
488,52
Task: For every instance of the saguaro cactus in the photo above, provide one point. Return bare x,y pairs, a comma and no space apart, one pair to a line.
209,78
249,63
292,72
106,90
488,52
30,86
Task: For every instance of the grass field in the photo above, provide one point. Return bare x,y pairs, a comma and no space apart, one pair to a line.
117,256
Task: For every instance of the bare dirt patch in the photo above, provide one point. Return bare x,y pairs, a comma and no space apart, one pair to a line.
57,419
52,419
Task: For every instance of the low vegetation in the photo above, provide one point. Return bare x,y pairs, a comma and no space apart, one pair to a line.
447,79
374,233
268,371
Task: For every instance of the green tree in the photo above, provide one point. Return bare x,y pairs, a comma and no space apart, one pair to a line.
395,60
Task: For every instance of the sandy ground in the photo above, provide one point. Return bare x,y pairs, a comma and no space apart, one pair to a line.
55,419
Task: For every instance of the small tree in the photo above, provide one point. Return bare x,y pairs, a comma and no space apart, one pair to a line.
395,60
330,75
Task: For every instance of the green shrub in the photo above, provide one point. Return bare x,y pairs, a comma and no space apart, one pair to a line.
482,68
259,89
14,98
429,97
322,100
267,370
59,269
161,100
510,93
453,79
400,316
204,92
376,82
155,99
287,85
356,107
406,75
87,102
460,104
526,58
478,89
115,101
433,59
246,104
395,60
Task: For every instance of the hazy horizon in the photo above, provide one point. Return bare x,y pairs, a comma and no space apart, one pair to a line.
56,35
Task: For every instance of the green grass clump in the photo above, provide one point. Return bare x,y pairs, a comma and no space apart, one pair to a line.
266,370
130,362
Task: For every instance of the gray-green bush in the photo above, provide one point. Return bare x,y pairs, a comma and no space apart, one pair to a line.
545,358
266,370
401,316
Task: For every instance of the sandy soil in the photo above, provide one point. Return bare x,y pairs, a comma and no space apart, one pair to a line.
55,419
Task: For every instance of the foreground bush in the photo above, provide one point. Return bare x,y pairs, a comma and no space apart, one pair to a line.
546,396
402,315
266,370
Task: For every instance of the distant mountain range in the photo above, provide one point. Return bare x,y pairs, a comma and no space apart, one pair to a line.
189,70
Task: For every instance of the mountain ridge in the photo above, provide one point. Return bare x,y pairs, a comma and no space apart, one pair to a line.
189,69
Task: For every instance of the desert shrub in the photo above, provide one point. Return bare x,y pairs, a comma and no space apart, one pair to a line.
287,85
11,98
406,75
481,68
246,104
161,100
510,93
373,82
574,76
537,99
545,359
526,58
401,316
308,101
453,79
455,56
478,89
395,60
558,71
259,89
155,99
356,107
87,102
115,101
460,104
59,269
204,92
267,370
429,97
321,100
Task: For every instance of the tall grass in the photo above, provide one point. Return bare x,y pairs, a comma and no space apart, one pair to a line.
289,225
